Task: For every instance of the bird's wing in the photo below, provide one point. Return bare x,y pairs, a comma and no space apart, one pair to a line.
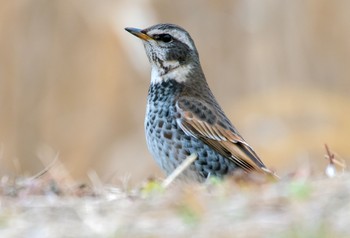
201,120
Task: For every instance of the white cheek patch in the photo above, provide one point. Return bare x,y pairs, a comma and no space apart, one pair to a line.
152,49
171,64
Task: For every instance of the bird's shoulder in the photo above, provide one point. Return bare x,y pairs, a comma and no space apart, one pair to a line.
204,118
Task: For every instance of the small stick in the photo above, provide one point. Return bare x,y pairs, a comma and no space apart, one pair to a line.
47,168
332,159
330,155
187,162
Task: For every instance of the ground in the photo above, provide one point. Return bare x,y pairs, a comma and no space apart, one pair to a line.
303,204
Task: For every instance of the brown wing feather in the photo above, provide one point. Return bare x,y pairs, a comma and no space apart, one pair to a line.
194,122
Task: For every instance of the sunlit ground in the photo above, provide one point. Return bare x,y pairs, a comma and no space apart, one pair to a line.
306,203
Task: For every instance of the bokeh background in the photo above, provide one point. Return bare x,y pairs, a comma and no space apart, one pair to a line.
73,83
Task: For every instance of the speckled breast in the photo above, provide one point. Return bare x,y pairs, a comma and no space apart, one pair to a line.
164,137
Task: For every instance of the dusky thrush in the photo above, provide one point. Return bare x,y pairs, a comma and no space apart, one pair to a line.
183,116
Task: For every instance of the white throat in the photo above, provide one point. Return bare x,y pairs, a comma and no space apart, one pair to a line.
176,72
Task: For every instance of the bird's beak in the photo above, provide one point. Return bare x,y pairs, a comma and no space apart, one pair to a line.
138,33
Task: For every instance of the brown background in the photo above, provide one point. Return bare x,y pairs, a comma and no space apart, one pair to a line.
73,82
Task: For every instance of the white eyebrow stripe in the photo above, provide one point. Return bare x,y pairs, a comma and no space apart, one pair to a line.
177,34
155,32
183,37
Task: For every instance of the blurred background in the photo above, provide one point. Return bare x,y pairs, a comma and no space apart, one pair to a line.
73,83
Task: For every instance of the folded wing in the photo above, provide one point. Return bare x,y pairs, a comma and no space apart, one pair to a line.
200,120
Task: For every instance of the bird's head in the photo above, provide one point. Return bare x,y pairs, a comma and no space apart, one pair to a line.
168,47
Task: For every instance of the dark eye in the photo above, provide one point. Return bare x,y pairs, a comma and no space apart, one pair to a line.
163,37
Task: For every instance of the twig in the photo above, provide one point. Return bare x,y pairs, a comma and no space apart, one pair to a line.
187,162
330,170
333,159
329,155
47,168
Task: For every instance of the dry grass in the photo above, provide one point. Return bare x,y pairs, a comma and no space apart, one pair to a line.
302,204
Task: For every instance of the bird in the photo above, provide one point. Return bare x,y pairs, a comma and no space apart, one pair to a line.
182,115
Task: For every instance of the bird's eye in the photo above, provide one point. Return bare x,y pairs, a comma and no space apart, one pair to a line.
163,37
